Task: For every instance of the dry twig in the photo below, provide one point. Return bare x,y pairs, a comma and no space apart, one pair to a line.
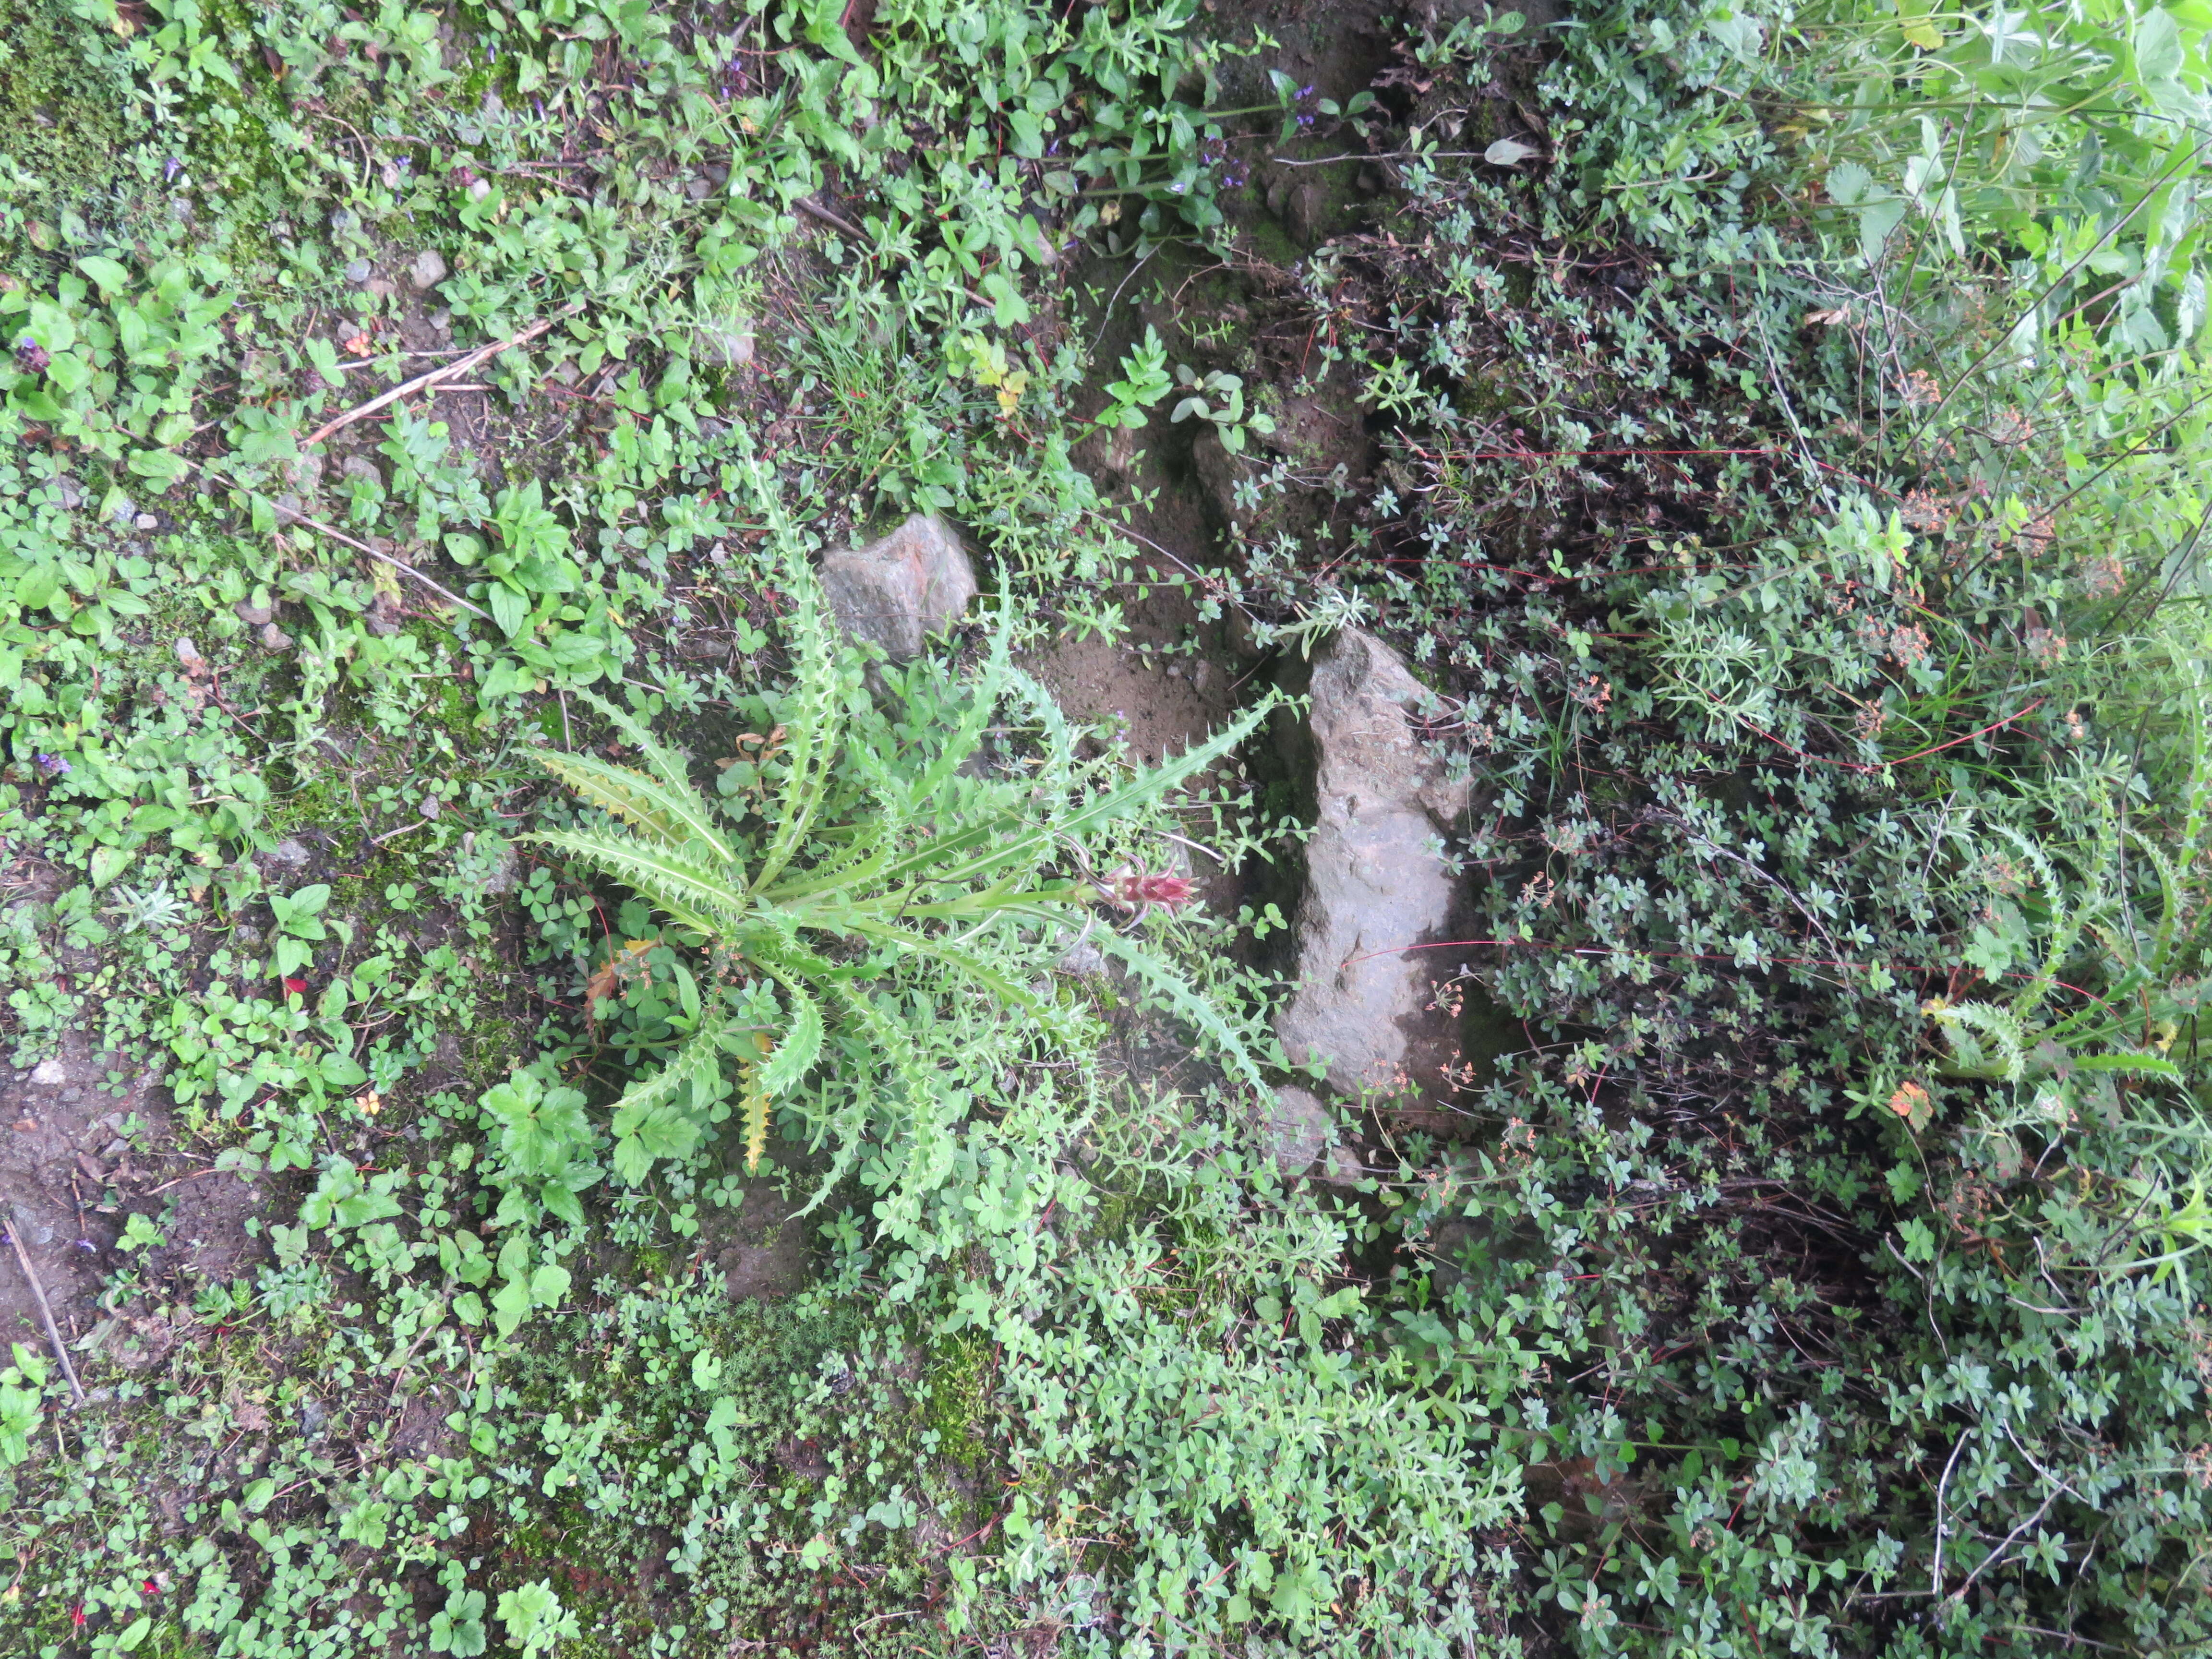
45,1310
406,388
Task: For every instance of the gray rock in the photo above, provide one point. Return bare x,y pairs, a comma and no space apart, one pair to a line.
357,271
725,348
506,866
361,467
290,852
1342,1168
274,638
1082,960
897,592
1297,1128
428,270
1373,886
50,1074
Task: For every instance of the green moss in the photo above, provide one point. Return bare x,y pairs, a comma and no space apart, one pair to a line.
67,122
958,1399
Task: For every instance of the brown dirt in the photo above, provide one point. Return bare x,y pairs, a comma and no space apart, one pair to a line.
69,1174
762,1246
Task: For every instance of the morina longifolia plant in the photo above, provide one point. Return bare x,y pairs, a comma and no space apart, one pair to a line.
888,848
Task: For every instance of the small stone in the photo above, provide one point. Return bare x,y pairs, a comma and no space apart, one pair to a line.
428,270
275,637
379,287
50,1074
478,189
361,467
895,592
252,614
1297,1129
698,190
188,654
72,492
1342,1168
1082,960
357,271
442,321
147,521
507,865
292,852
725,348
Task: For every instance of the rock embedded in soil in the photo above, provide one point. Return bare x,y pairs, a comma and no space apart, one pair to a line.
725,348
1297,1130
1376,883
428,270
895,592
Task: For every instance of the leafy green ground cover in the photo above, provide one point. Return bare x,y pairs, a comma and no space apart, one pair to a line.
1786,473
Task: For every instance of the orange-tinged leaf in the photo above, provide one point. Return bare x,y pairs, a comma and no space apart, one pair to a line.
602,984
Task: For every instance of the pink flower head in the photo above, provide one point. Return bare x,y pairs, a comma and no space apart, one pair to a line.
1137,889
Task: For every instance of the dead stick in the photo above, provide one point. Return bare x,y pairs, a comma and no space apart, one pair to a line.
458,366
46,1312
295,516
400,565
814,210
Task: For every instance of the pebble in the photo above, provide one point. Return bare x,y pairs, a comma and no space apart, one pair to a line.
147,521
428,269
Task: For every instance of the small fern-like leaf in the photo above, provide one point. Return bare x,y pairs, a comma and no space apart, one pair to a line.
695,1059
755,1102
1162,978
816,725
1970,1021
693,892
802,1042
677,796
646,802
